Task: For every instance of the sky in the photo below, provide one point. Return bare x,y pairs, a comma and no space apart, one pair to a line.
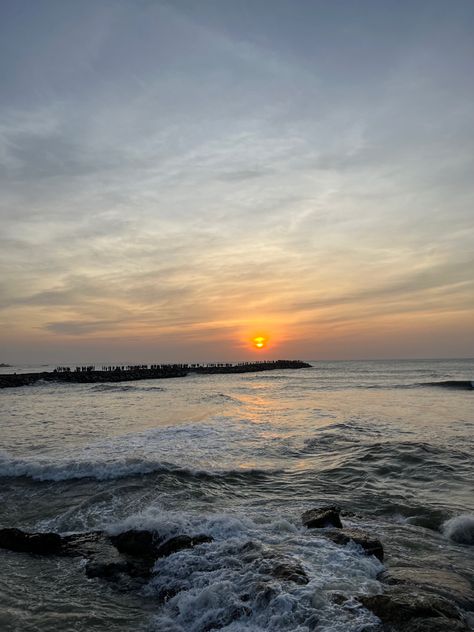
178,177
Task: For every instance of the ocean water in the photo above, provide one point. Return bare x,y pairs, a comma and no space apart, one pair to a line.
238,457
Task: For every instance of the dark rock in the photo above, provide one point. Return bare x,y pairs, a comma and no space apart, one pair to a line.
180,542
39,543
290,571
322,517
136,543
436,581
371,545
126,559
400,606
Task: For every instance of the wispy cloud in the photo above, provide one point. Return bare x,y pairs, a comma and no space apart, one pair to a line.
170,171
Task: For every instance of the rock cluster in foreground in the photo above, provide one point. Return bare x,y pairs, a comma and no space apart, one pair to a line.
414,599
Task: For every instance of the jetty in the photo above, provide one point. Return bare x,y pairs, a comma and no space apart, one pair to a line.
91,374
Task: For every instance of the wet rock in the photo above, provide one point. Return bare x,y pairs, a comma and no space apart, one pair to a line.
290,571
180,542
126,559
137,543
399,607
439,582
148,544
371,545
322,517
22,542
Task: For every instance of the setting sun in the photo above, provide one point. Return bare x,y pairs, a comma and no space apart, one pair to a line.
259,342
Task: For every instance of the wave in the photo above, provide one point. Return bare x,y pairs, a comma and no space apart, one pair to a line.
460,529
458,384
123,388
454,384
220,397
47,470
229,583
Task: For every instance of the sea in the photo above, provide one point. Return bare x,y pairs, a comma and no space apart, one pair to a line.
239,458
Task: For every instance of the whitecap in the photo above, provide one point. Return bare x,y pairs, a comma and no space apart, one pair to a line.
460,529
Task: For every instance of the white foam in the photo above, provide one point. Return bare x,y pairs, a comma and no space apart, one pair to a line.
228,584
460,529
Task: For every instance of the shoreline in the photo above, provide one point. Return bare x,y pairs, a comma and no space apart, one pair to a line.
89,375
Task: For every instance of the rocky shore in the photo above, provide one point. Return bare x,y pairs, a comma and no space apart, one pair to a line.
121,374
413,599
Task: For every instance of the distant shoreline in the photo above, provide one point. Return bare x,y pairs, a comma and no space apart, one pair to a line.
90,375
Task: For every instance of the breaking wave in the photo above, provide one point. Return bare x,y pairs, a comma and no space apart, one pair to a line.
245,578
460,529
45,470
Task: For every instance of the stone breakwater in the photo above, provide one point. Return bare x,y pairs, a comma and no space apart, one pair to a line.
411,600
91,375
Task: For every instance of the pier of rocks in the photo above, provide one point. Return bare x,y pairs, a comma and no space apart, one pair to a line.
126,373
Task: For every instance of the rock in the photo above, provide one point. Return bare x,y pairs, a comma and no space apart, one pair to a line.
180,542
126,559
371,545
136,543
38,543
322,517
399,606
436,581
290,571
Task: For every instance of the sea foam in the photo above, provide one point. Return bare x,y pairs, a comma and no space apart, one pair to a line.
230,583
460,529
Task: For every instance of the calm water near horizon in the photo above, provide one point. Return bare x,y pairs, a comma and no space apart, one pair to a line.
238,457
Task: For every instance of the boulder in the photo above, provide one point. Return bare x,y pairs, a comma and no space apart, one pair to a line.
399,606
437,581
290,571
322,517
22,542
180,542
371,545
137,543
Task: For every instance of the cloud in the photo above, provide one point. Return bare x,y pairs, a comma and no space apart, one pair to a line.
166,167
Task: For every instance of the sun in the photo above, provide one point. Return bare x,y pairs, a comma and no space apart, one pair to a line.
259,342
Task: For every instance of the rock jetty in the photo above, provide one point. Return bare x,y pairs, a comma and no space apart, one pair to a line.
92,374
